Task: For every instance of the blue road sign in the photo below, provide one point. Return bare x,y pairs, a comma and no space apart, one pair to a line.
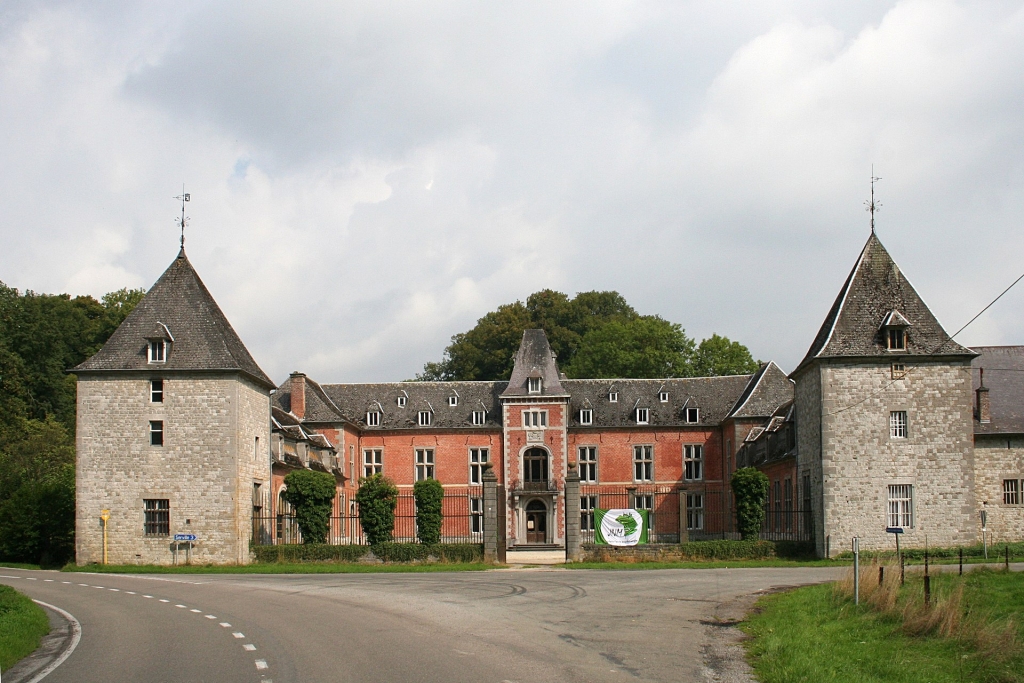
185,537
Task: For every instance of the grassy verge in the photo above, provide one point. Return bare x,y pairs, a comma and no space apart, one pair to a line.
19,565
969,632
283,568
22,624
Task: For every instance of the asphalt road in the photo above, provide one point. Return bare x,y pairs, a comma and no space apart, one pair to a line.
508,625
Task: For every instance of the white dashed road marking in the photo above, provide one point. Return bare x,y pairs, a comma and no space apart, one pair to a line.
236,634
197,611
210,616
249,646
181,606
225,624
162,600
261,664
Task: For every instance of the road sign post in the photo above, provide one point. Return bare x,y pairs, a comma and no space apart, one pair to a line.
896,531
105,515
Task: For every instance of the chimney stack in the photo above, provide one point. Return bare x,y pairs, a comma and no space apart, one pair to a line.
298,394
983,408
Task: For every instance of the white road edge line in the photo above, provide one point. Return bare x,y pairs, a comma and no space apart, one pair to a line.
261,664
76,635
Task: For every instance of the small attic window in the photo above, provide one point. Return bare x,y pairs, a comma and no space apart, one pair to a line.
157,351
423,418
663,396
453,400
613,397
643,416
534,385
894,331
586,416
373,418
897,339
401,401
692,415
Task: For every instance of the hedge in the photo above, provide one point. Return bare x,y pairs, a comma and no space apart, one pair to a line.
382,552
995,552
702,551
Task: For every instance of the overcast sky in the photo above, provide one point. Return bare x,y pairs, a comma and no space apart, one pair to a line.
369,178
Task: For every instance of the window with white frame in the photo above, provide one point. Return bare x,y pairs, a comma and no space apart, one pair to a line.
694,511
643,416
663,397
587,506
156,432
692,415
157,351
535,418
156,391
588,464
901,505
373,419
693,462
643,463
373,461
586,416
423,419
476,515
534,384
479,417
477,460
1011,491
453,400
643,502
424,463
898,424
401,401
613,397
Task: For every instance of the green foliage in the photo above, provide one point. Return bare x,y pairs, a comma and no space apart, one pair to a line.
22,625
594,334
312,494
384,552
717,356
429,495
309,552
377,498
750,488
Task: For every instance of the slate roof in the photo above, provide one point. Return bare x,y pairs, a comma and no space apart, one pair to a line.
767,390
355,400
874,289
534,357
203,339
1004,377
319,406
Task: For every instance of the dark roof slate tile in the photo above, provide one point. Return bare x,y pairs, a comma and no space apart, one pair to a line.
1004,377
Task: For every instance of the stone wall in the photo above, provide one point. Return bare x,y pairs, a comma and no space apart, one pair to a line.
999,457
809,455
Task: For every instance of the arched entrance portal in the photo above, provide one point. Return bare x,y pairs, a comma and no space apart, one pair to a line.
536,522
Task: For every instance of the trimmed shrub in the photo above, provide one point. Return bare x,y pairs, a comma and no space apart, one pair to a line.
750,487
312,494
377,498
385,552
310,552
700,551
429,494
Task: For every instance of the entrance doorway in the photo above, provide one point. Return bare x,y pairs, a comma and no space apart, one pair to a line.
536,522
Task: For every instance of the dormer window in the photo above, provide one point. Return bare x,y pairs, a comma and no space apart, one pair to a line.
479,417
663,396
586,416
897,339
894,331
424,418
692,415
157,351
401,401
453,400
534,385
613,397
643,416
373,419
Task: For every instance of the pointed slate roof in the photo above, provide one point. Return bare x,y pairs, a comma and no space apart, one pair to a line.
203,339
768,388
875,288
534,358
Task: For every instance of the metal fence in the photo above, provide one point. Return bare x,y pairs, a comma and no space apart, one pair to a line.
705,515
462,522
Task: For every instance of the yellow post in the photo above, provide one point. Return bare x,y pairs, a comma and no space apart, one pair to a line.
104,515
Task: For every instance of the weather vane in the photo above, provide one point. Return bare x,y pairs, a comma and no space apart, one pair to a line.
183,221
872,205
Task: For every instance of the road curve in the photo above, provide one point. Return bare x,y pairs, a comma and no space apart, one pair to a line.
496,626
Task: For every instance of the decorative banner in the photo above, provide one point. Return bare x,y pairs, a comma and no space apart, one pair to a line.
621,527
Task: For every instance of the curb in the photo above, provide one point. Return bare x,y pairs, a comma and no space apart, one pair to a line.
56,646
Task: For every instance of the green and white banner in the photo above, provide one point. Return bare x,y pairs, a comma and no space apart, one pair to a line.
621,527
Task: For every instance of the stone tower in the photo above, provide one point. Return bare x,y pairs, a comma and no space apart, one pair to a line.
173,432
884,418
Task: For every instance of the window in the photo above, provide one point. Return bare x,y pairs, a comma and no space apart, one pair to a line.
535,418
613,397
476,515
479,417
778,504
534,384
157,516
424,463
692,415
401,401
643,416
156,433
898,424
535,469
586,416
643,502
643,463
587,506
897,339
693,462
373,419
695,511
787,501
373,461
424,418
453,400
899,370
156,391
1011,492
157,351
256,448
588,464
663,397
477,458
901,506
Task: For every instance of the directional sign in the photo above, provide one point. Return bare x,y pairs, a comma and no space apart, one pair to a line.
893,530
185,537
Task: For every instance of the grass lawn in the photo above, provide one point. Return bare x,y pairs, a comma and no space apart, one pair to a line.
19,565
22,624
812,634
305,568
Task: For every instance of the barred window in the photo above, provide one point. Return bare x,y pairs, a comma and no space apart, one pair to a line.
643,463
587,506
1011,492
901,506
157,516
693,462
695,511
588,464
476,515
477,459
156,391
898,424
373,461
424,463
156,432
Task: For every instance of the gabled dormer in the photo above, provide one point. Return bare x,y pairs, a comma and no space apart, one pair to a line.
159,344
893,331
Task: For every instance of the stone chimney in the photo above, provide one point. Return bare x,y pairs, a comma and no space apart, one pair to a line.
983,408
298,394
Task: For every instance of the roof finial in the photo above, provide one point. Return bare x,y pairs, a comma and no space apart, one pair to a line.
872,205
183,221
